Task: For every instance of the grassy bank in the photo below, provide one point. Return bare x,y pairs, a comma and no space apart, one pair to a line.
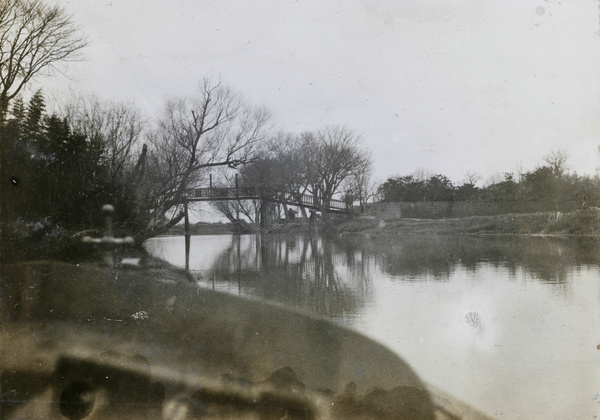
53,243
581,222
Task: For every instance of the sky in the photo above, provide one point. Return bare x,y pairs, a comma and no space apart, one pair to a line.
467,86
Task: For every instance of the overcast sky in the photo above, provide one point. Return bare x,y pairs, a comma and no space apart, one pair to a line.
488,86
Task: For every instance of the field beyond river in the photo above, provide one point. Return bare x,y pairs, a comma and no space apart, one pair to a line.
581,222
585,222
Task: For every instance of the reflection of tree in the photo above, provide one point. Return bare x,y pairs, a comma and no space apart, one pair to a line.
298,271
547,259
331,276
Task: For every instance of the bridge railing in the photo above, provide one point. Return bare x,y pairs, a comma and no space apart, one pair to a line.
338,204
309,200
223,192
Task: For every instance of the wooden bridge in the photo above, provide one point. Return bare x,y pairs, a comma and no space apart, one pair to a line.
268,195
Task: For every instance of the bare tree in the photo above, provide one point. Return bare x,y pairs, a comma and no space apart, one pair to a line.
276,172
472,178
359,186
213,129
328,162
336,155
113,129
232,209
284,168
34,37
557,161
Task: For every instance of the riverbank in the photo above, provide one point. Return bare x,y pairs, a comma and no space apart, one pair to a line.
581,222
584,222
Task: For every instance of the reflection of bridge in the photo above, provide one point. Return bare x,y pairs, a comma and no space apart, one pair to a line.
265,195
269,195
306,271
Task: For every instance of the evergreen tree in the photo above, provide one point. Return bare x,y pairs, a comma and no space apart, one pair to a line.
33,120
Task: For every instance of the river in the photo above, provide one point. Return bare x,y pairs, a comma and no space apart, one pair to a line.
508,324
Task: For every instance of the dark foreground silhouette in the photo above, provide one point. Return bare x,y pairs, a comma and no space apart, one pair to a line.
89,342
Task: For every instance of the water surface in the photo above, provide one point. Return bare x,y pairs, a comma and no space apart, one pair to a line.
508,324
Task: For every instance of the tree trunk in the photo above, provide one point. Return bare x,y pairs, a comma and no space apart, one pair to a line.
146,234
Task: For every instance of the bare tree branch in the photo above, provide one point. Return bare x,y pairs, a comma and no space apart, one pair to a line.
34,38
557,161
115,128
214,129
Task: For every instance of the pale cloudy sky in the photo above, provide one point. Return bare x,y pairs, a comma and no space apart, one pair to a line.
488,86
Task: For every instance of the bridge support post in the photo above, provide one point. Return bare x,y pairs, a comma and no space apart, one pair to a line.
263,214
187,234
109,254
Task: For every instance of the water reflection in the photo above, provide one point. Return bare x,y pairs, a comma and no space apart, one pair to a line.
489,318
302,271
548,259
332,275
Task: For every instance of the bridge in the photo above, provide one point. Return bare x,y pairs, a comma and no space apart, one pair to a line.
268,195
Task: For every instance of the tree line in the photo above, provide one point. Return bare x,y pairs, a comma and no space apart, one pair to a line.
549,182
59,168
324,164
63,166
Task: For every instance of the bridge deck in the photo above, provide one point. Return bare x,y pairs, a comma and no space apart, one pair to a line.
267,194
